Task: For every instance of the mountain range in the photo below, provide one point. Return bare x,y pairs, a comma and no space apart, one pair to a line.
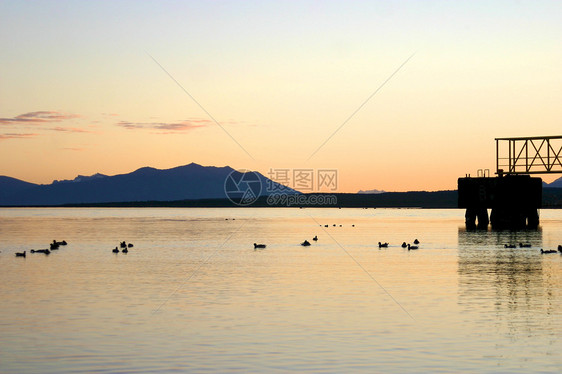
188,182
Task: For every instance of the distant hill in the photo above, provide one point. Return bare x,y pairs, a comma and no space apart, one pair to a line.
370,191
556,184
189,182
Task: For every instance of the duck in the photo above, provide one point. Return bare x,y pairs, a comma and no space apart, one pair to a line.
130,245
526,245
125,250
325,225
510,246
45,251
416,241
404,245
123,244
20,254
548,251
260,246
315,238
306,243
560,247
412,247
116,250
383,245
54,245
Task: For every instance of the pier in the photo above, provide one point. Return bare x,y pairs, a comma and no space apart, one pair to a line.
513,195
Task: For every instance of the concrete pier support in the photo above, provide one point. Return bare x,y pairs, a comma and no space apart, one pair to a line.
514,201
474,215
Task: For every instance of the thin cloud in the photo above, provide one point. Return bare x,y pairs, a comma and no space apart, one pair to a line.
16,136
38,117
173,127
68,129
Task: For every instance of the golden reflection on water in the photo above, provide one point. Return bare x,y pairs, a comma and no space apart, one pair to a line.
194,295
514,293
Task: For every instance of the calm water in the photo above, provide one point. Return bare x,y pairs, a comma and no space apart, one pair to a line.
194,296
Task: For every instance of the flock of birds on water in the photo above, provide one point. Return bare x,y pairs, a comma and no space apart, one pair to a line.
415,246
411,247
306,243
124,246
55,245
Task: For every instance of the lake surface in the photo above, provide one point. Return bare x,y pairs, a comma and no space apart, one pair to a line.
194,296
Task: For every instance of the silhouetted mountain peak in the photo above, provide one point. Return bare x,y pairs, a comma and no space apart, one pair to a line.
81,178
187,182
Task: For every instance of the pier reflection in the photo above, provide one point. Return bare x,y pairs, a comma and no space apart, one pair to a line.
513,286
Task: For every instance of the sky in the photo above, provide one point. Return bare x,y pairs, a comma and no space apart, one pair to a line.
393,95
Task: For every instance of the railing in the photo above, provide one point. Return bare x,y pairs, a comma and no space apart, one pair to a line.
534,155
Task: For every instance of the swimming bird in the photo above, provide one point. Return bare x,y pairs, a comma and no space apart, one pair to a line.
416,241
130,245
325,225
54,245
315,238
383,245
526,245
548,251
560,248
510,246
306,243
20,254
45,251
125,250
404,245
116,250
412,247
261,246
123,244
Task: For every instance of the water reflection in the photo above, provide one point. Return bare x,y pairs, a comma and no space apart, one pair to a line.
508,285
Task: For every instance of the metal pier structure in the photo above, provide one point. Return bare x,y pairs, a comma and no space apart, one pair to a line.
513,195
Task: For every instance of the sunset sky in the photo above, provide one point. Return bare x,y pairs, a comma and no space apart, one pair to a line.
94,86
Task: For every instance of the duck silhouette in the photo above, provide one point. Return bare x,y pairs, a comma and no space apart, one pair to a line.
45,251
20,254
315,238
115,250
306,243
383,245
416,241
526,245
412,247
259,246
404,245
548,251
